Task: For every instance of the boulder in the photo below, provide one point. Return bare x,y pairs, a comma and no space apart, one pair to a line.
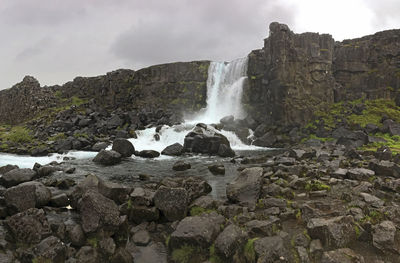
360,174
267,140
333,232
141,238
175,149
195,186
173,202
198,231
206,140
139,214
384,237
123,147
87,254
181,166
268,227
227,120
50,249
17,176
121,256
155,252
246,188
98,146
341,255
60,200
29,227
142,197
218,168
76,235
270,249
6,168
117,192
107,157
148,154
26,195
98,212
385,168
230,241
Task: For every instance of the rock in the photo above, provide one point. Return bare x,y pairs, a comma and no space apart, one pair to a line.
391,127
26,195
175,149
123,147
107,245
29,227
333,232
17,176
76,235
121,256
173,202
384,237
181,166
270,249
97,147
385,168
141,238
60,200
267,140
246,188
230,241
87,254
206,140
117,192
5,169
91,182
140,214
155,252
50,249
142,197
372,200
227,120
98,212
261,130
148,154
107,157
218,168
383,153
341,255
198,231
268,227
360,174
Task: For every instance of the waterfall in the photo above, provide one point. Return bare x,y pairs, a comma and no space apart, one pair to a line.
224,93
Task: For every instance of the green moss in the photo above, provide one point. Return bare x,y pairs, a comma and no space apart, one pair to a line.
373,112
214,258
316,185
249,252
58,136
93,242
324,50
197,210
357,230
167,239
17,134
374,217
184,254
41,260
130,204
260,203
58,94
81,135
393,142
78,101
298,214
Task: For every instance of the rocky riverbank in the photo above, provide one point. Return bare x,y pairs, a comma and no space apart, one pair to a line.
312,203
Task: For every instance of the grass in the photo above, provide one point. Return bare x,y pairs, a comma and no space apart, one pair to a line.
93,242
374,217
316,185
249,252
58,136
184,254
214,258
393,142
197,210
17,134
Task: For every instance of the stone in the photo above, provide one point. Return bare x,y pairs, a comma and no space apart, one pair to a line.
87,254
117,192
141,238
123,147
148,154
360,174
267,140
98,146
227,119
98,212
199,231
175,149
341,255
372,200
246,188
173,202
50,249
121,256
230,241
107,245
155,252
107,157
91,182
270,249
384,237
142,197
26,195
333,232
76,235
139,214
60,200
385,168
383,153
261,228
6,168
181,166
46,171
225,151
17,176
29,227
217,169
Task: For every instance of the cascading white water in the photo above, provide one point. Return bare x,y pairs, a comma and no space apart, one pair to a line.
224,92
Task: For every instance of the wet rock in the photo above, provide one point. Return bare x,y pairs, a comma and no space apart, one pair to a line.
123,147
173,202
97,147
98,212
139,214
60,200
107,157
29,227
46,170
198,231
267,140
87,254
175,149
225,151
342,255
384,237
17,176
50,249
6,168
26,195
227,120
181,166
141,238
217,169
270,249
333,232
246,188
230,241
148,154
195,186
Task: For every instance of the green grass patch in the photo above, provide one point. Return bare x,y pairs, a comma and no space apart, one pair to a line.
81,135
393,142
214,258
249,252
93,242
17,134
374,217
197,210
58,136
185,254
316,185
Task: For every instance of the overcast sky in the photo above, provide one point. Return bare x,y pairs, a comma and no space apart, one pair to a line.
57,40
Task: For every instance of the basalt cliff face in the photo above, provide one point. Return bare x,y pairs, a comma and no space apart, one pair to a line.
294,75
290,78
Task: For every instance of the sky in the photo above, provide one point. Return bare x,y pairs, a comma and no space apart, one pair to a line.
57,40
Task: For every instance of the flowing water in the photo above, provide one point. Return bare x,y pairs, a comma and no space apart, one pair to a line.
224,91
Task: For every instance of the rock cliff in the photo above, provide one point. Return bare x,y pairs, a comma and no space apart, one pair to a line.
294,75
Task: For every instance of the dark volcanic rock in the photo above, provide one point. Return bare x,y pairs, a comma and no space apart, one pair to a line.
7,168
173,202
17,176
246,188
341,255
181,166
26,195
148,154
123,147
107,157
230,241
217,168
51,249
175,149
